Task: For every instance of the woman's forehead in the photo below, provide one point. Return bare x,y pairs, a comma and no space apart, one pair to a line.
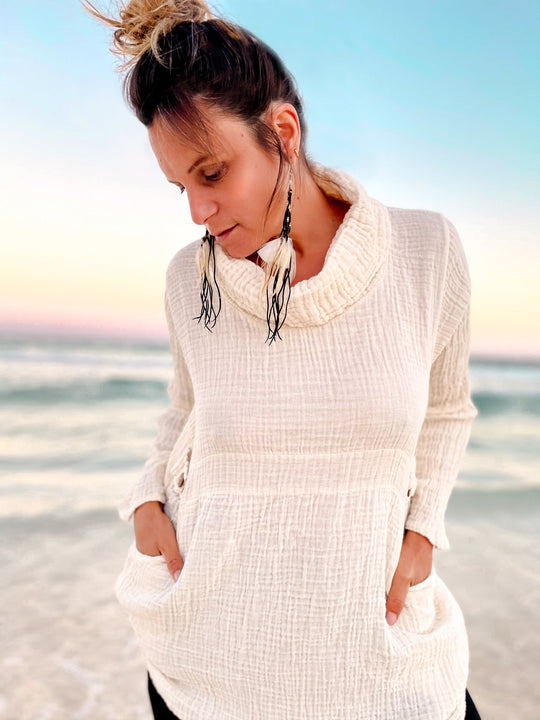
225,134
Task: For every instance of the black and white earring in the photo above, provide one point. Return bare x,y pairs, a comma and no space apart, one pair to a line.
279,262
206,262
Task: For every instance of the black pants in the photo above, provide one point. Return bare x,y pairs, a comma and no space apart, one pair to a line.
162,712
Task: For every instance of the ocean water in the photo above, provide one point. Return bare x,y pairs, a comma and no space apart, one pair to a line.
77,419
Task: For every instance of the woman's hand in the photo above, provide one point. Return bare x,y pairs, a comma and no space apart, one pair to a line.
415,562
155,535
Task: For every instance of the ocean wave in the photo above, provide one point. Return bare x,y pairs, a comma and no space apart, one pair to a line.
79,462
84,391
58,523
498,403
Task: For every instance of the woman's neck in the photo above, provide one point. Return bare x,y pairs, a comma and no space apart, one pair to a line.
315,219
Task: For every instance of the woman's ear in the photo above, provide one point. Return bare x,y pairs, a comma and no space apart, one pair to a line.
284,120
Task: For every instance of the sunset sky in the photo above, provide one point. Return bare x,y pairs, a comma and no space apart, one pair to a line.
430,105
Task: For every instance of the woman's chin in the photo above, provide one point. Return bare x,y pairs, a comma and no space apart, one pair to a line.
238,254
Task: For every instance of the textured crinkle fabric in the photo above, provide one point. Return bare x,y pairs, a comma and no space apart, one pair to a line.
291,472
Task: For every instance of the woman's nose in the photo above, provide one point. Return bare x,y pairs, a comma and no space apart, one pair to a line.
202,207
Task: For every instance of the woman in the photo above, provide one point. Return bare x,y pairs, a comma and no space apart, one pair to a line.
286,518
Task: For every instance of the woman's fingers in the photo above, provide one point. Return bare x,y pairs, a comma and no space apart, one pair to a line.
396,597
146,523
169,549
155,535
415,562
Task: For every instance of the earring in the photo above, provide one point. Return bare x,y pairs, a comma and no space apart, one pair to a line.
206,262
279,261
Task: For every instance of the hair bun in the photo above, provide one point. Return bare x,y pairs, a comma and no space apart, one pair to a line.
141,23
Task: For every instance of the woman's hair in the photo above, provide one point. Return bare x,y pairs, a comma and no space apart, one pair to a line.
180,60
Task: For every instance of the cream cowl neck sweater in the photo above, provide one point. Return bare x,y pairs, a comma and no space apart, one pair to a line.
291,471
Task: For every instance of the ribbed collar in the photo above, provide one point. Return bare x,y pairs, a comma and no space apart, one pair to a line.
355,257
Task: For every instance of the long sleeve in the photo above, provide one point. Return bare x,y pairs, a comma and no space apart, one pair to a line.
450,413
150,485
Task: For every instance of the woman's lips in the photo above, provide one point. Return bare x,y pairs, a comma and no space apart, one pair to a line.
225,234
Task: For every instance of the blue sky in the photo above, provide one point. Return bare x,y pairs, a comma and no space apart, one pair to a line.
428,104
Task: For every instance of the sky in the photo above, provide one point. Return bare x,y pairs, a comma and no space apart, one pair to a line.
432,105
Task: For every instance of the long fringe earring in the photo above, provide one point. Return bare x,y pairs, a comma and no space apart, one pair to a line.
206,262
279,260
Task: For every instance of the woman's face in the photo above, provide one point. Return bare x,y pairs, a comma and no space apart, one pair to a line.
228,192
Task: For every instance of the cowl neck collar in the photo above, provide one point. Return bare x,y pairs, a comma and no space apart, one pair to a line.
354,258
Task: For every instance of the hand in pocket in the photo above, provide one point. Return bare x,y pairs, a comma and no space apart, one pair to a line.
155,535
414,566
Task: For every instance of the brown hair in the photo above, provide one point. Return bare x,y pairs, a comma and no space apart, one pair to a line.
181,58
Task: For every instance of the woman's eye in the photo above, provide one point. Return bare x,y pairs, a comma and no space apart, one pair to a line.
216,175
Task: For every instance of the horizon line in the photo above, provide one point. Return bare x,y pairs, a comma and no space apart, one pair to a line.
153,335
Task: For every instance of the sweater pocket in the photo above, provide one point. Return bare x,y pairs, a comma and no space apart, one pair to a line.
145,588
143,583
430,623
423,621
153,601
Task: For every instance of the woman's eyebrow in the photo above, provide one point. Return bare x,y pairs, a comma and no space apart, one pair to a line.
193,167
197,163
